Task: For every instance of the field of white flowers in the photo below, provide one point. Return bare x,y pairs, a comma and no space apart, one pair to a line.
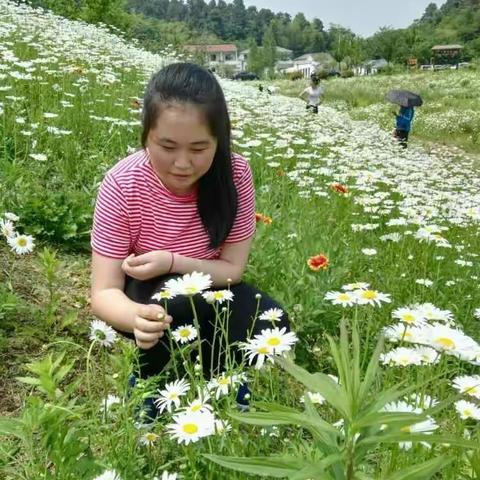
372,250
450,114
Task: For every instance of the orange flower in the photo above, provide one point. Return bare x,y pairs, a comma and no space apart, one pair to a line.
259,217
339,188
318,262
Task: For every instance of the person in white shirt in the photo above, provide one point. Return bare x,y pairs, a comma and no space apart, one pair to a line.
313,94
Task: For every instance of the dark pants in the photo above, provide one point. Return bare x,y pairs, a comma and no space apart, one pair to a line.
313,108
240,321
402,137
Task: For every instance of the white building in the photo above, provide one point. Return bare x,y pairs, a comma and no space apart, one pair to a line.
309,63
223,55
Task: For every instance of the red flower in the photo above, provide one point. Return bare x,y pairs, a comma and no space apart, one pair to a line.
318,262
339,188
259,217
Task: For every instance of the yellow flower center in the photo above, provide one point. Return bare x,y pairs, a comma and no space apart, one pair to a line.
190,428
218,295
467,413
184,332
408,318
173,396
274,341
344,297
446,343
150,436
406,429
469,390
191,290
263,351
22,242
369,294
196,408
224,381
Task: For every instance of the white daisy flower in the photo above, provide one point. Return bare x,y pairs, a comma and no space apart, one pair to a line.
223,383
167,476
109,401
371,297
476,313
108,475
260,352
345,299
185,333
356,286
447,339
190,284
11,216
278,339
401,357
102,333
148,439
369,252
272,315
218,296
7,228
191,427
467,410
424,281
165,294
409,316
314,397
222,426
199,405
21,244
170,395
468,384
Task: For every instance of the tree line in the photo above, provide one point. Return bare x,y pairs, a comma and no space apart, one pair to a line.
158,23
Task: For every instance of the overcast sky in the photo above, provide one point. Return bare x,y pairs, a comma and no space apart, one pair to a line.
364,17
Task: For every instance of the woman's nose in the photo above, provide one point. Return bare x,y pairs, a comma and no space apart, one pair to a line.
182,161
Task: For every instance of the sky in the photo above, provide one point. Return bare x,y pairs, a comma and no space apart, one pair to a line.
363,17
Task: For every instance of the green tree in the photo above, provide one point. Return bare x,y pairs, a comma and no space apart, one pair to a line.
254,61
269,51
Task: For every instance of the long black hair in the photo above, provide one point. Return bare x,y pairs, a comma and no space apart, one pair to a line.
189,83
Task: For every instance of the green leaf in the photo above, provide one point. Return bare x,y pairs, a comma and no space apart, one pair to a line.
390,418
319,383
317,470
13,427
419,437
29,380
277,467
371,373
326,432
422,471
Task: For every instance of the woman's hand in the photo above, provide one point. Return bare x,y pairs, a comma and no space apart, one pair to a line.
149,265
149,325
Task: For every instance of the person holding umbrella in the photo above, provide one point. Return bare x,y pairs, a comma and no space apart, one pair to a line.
407,101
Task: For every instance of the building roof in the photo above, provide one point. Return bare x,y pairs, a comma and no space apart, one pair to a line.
279,49
220,48
447,47
320,58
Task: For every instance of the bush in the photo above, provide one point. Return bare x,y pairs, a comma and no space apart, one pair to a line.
294,75
347,73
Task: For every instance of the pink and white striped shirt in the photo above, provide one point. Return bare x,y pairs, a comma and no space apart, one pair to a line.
136,213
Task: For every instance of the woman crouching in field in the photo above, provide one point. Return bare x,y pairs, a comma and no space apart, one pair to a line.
183,203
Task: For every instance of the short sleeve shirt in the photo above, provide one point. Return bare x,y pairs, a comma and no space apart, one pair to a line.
136,213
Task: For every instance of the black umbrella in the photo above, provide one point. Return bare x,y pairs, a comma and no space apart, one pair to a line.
404,98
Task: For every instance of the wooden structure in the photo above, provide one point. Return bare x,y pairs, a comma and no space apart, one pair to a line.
446,54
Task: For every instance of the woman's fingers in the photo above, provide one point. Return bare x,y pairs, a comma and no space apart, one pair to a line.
146,345
150,326
147,337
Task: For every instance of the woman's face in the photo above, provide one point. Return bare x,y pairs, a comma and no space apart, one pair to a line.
181,147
